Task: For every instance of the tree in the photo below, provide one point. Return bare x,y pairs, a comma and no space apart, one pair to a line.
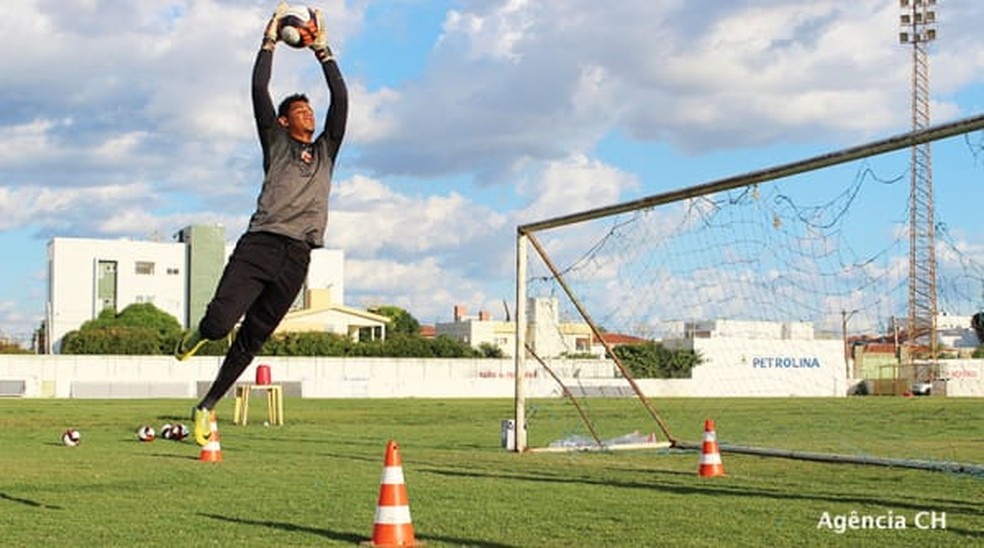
977,323
653,360
144,329
40,342
308,344
489,350
140,329
401,321
10,347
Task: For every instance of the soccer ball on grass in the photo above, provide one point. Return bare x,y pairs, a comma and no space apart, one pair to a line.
71,437
146,433
179,432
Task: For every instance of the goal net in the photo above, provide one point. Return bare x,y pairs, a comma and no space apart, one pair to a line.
788,281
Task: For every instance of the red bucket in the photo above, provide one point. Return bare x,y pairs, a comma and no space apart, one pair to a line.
263,374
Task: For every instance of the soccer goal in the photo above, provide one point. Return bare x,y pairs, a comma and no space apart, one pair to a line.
788,281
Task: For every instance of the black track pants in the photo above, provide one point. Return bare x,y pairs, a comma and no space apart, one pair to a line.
259,284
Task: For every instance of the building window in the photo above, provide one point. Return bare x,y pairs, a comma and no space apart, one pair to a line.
582,344
145,267
106,285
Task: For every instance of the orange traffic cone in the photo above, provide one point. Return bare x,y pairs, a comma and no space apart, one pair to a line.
212,451
710,457
392,525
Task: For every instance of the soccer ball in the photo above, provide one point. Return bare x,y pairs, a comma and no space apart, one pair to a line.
71,437
146,433
179,432
299,26
166,430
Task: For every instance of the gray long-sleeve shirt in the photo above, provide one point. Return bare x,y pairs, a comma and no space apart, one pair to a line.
297,176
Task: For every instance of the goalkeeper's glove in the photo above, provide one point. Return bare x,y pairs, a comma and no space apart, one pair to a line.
272,32
320,44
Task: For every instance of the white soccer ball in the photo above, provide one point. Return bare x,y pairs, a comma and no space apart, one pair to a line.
298,26
166,430
146,433
179,432
71,437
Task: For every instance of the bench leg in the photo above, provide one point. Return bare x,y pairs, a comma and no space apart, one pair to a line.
245,416
237,411
280,407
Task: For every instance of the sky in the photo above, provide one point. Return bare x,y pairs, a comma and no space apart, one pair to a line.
131,120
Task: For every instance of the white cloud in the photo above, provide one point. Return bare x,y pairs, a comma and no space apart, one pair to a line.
120,146
27,142
369,218
435,287
66,209
369,117
574,184
495,35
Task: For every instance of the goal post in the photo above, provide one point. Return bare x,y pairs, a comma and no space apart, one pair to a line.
736,257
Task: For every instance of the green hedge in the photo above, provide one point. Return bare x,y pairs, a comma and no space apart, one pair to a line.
654,361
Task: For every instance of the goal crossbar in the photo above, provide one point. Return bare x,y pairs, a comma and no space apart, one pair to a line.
889,144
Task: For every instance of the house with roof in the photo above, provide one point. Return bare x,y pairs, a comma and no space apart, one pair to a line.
547,335
319,314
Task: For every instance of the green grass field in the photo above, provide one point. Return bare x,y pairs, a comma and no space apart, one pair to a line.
315,481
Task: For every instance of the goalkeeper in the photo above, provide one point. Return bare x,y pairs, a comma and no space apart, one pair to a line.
270,262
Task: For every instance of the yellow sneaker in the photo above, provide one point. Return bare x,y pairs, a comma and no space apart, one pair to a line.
202,419
189,343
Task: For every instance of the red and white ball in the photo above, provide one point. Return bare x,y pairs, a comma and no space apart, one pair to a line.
298,26
179,432
71,437
146,433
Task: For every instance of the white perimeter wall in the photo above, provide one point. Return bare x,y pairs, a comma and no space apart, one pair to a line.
963,377
769,367
162,376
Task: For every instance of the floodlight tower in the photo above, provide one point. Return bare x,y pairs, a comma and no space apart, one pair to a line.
918,28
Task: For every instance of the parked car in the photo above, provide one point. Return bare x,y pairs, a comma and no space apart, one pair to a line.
922,388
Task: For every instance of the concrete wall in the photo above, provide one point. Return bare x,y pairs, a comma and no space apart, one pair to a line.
769,367
962,378
163,377
65,376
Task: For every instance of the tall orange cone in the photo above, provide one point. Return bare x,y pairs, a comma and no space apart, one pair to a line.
212,451
392,525
710,455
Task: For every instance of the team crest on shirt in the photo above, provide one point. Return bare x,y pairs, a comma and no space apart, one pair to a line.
306,156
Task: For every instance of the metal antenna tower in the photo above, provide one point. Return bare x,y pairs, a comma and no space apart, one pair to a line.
918,28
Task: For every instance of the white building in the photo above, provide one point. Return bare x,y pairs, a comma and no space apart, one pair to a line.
546,333
86,276
956,332
475,330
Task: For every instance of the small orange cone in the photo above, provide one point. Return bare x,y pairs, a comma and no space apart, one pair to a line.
392,525
710,457
212,451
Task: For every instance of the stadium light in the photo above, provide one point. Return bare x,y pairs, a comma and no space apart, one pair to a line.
917,20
